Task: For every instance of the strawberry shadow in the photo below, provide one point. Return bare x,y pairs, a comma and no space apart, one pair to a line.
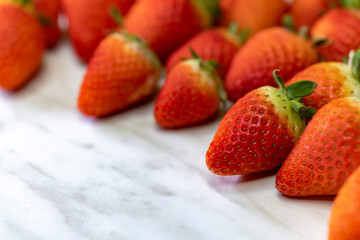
256,176
310,198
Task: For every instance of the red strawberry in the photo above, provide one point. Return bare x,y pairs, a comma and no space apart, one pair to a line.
167,24
306,12
334,79
218,44
48,10
269,49
326,154
190,94
342,29
90,22
259,131
21,46
122,72
345,219
246,13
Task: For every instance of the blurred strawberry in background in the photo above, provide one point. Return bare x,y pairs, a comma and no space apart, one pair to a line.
306,12
252,14
22,44
90,22
48,12
219,44
167,24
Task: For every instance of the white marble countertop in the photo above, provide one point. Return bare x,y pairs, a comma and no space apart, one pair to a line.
64,176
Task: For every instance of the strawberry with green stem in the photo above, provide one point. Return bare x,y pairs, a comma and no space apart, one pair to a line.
269,49
334,79
341,28
122,72
218,44
326,154
260,130
192,94
167,24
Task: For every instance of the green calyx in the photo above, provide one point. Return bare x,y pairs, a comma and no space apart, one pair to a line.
45,21
354,63
296,92
233,30
288,23
211,7
351,4
209,66
24,2
116,16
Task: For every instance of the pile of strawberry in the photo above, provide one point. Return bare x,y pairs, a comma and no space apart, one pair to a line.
214,51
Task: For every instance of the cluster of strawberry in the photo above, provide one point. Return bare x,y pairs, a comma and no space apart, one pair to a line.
267,127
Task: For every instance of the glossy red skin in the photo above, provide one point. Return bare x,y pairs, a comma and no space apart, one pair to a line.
90,22
342,27
252,137
345,221
331,84
326,154
214,44
165,24
185,99
50,9
116,79
246,13
270,49
306,12
22,46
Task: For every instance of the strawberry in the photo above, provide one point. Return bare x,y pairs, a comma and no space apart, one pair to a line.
345,219
326,154
259,131
246,13
191,94
167,24
269,49
342,29
218,44
48,10
306,12
123,71
21,46
89,24
334,79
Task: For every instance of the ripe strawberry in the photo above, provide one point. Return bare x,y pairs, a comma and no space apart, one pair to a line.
122,72
167,24
342,28
218,44
191,94
334,79
90,23
306,12
21,46
269,49
326,154
246,13
345,219
48,10
259,131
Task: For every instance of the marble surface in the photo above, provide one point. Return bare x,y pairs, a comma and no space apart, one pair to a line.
65,176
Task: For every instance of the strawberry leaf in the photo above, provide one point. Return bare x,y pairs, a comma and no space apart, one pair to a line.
288,23
351,4
279,81
355,65
300,89
116,15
